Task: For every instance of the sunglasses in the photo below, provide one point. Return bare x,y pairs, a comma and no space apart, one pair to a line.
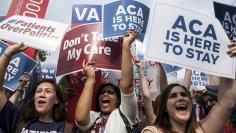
111,92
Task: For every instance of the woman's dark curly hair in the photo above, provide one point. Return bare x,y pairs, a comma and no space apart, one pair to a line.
103,86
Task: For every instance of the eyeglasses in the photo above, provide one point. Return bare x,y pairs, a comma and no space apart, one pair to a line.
111,92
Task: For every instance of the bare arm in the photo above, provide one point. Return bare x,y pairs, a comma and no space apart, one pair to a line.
24,81
126,63
84,103
218,116
187,78
146,94
20,89
4,61
214,80
17,94
163,78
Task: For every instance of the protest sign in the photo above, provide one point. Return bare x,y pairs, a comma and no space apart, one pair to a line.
188,39
85,42
227,16
170,68
37,33
19,64
198,79
48,71
2,18
151,73
120,16
31,8
84,13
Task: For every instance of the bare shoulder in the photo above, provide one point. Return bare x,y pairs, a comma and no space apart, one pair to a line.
152,129
199,129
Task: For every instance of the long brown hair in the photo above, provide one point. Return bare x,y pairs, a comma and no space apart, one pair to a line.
162,117
29,113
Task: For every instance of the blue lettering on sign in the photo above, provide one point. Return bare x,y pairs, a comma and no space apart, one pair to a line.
196,37
86,13
193,25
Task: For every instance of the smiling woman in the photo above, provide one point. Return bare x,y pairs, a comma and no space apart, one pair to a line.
174,108
178,109
45,111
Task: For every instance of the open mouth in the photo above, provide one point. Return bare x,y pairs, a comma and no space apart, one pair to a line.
107,101
40,102
181,107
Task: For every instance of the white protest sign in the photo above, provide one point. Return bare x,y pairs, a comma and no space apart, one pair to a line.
198,79
189,39
34,32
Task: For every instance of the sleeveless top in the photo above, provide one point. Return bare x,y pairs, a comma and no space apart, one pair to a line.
153,129
150,128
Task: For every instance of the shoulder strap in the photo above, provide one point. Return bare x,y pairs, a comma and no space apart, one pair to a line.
127,124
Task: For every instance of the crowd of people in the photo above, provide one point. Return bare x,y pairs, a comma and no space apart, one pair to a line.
176,110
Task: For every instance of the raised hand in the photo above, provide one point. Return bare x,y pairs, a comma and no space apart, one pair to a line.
129,37
138,63
89,69
13,49
232,49
24,81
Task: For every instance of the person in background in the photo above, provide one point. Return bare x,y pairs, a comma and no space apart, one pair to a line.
147,101
210,97
21,89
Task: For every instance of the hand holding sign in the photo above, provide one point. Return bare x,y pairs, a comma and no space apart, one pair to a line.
37,33
232,48
13,49
128,38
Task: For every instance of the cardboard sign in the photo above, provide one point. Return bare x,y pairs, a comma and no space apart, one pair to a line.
188,39
37,33
86,43
19,64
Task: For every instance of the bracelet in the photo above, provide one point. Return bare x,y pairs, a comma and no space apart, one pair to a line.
6,55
